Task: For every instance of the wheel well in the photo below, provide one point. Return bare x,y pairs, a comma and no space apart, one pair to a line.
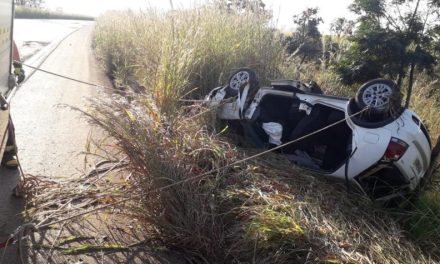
386,181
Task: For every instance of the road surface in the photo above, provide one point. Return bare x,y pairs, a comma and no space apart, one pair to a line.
31,35
51,137
10,207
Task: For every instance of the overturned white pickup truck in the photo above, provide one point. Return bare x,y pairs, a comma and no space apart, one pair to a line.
370,141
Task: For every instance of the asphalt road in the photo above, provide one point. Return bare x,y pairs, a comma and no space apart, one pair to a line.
51,137
31,35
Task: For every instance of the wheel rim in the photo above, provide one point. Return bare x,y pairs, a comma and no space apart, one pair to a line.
238,79
377,95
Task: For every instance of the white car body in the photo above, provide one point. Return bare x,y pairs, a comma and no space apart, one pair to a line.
366,165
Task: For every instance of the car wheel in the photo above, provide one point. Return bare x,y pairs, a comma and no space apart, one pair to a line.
240,77
380,95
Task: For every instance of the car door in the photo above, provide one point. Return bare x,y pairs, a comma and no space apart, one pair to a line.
6,22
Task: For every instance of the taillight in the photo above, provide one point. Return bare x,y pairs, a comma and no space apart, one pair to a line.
395,150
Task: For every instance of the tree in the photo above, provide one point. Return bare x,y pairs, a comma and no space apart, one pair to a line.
241,6
436,41
336,44
392,39
305,42
342,26
29,3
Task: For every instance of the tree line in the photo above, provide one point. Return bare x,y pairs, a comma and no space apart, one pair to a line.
392,38
389,38
29,3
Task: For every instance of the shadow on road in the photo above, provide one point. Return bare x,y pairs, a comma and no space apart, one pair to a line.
10,209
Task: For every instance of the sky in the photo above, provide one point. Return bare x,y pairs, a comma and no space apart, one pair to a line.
283,10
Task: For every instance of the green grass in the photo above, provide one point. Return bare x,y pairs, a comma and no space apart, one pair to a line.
35,13
424,223
87,248
422,220
260,211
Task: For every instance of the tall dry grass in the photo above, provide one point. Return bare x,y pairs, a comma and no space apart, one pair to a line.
259,211
188,51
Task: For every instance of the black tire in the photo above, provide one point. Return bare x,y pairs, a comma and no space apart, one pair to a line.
238,78
380,95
